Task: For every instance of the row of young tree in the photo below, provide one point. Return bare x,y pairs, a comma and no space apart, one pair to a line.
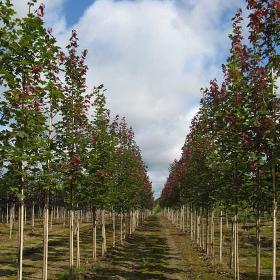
59,145
230,159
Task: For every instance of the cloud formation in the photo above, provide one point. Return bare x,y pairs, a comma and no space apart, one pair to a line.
153,57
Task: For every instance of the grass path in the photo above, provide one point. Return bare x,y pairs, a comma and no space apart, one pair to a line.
156,251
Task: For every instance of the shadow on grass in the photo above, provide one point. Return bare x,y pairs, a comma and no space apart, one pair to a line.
6,273
252,276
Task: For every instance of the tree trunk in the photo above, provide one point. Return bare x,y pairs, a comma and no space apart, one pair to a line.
212,236
7,213
258,246
20,232
183,219
71,241
64,218
198,228
94,255
274,218
226,220
51,219
274,202
232,244
124,226
24,209
236,248
121,228
203,233
104,246
114,228
221,237
187,219
130,221
46,237
258,229
207,232
78,240
12,216
32,217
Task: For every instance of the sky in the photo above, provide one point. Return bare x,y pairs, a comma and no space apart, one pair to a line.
153,56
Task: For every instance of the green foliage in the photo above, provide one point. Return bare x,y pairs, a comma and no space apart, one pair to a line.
232,146
55,137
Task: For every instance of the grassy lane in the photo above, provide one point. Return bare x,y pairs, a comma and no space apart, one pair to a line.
156,251
195,262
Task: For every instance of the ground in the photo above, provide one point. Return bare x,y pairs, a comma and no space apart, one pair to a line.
157,250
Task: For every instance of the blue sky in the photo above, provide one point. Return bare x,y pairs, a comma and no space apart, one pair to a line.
153,56
74,9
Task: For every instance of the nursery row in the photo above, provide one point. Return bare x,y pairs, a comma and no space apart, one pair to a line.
230,159
60,148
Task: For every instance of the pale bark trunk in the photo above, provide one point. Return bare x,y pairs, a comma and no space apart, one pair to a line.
207,232
134,221
104,246
183,218
274,217
25,215
187,219
78,240
213,235
46,237
124,226
130,221
51,219
121,228
221,238
114,228
20,233
258,247
274,205
198,229
94,255
64,218
195,225
71,241
12,215
191,224
7,213
24,210
203,233
226,220
236,249
32,217
232,244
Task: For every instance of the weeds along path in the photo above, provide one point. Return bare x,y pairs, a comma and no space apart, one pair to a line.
197,266
156,251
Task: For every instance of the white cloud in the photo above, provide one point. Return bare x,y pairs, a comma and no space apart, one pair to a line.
53,12
153,57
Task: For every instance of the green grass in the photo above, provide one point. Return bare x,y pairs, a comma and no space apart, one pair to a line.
33,250
247,249
146,254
